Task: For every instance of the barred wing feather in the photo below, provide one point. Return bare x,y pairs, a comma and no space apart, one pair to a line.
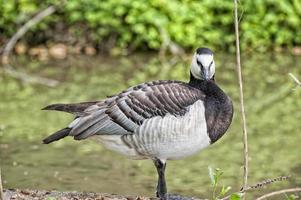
124,113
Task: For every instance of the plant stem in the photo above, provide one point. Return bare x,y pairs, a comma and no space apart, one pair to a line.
1,188
279,192
242,108
214,191
295,79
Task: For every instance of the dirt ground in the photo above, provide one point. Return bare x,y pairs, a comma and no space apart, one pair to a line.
22,194
56,195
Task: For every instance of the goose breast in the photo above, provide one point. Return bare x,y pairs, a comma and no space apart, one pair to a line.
168,137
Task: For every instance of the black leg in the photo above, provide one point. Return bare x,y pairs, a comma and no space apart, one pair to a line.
161,187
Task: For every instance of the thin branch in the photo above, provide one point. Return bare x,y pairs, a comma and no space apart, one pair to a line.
168,44
279,192
241,14
36,19
259,185
1,187
165,42
295,79
245,133
266,182
8,69
282,92
11,43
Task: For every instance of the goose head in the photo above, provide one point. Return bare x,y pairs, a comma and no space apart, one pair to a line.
202,66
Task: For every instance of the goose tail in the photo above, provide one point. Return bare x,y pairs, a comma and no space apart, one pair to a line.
57,135
75,108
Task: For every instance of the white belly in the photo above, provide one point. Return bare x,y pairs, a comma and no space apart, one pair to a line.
169,137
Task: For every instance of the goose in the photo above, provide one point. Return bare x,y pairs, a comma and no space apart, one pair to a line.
158,120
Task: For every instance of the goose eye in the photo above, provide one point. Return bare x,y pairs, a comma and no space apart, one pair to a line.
210,64
200,64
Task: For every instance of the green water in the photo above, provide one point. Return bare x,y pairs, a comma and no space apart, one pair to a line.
273,111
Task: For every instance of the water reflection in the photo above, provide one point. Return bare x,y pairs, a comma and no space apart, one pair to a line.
273,112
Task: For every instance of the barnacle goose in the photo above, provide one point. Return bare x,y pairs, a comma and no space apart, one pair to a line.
158,120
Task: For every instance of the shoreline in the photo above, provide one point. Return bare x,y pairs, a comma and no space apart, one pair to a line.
34,194
21,194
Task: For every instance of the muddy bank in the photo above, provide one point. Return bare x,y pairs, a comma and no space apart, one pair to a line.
22,194
53,195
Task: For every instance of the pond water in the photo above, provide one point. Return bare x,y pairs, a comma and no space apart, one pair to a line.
273,109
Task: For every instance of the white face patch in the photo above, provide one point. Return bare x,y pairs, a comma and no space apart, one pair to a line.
208,64
205,59
195,69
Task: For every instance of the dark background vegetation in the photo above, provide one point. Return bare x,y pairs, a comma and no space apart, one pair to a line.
269,24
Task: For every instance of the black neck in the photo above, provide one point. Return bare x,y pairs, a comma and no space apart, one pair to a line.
207,86
218,107
196,83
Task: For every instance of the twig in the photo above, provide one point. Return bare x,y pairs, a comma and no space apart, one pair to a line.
168,44
281,93
245,133
241,14
271,99
295,79
259,185
36,19
279,192
165,42
11,43
8,69
1,188
266,182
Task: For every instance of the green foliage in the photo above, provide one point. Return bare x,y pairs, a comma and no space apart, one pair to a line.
291,197
215,176
190,23
236,196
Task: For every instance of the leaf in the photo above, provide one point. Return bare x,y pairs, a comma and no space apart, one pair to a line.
211,175
291,197
236,196
217,174
225,190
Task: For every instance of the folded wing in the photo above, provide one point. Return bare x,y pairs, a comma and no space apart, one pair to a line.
124,113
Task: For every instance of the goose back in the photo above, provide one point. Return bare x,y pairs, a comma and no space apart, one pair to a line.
123,113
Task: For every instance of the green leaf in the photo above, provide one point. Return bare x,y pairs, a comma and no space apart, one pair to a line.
236,196
291,197
225,190
211,175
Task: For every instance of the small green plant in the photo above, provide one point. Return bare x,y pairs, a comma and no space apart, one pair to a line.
215,177
290,197
236,196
